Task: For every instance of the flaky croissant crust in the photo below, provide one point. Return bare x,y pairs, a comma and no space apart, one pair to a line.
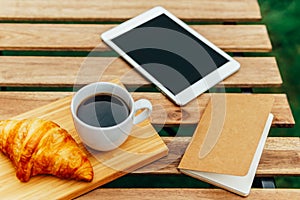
36,146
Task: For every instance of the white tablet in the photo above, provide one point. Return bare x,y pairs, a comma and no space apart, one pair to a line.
173,56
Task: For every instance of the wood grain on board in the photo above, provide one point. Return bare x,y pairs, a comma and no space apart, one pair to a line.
188,193
86,37
164,111
39,71
120,10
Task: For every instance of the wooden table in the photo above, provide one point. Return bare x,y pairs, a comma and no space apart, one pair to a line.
44,45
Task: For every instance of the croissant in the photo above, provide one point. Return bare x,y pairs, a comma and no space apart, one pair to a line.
36,146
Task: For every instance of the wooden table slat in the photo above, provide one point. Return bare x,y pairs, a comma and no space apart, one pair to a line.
86,37
67,71
281,156
120,10
164,111
187,193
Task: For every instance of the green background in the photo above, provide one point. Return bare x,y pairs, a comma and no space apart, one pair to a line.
282,20
283,24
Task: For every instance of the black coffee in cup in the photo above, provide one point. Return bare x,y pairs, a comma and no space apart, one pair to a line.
103,110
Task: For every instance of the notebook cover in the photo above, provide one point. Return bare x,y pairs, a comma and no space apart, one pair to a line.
228,134
240,185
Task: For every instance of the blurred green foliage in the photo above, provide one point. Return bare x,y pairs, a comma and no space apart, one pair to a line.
282,20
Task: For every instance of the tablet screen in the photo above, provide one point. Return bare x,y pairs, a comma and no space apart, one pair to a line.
172,55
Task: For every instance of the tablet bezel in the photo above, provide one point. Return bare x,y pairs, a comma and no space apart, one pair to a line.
193,90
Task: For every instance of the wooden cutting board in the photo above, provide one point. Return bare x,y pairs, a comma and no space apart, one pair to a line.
141,148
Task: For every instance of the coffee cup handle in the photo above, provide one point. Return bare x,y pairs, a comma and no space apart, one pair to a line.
139,105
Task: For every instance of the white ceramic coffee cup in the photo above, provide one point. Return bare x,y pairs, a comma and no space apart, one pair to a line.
108,138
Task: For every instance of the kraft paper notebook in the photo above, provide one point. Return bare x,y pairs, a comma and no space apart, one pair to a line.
228,142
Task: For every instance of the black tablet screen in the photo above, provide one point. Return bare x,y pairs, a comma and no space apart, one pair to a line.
172,55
